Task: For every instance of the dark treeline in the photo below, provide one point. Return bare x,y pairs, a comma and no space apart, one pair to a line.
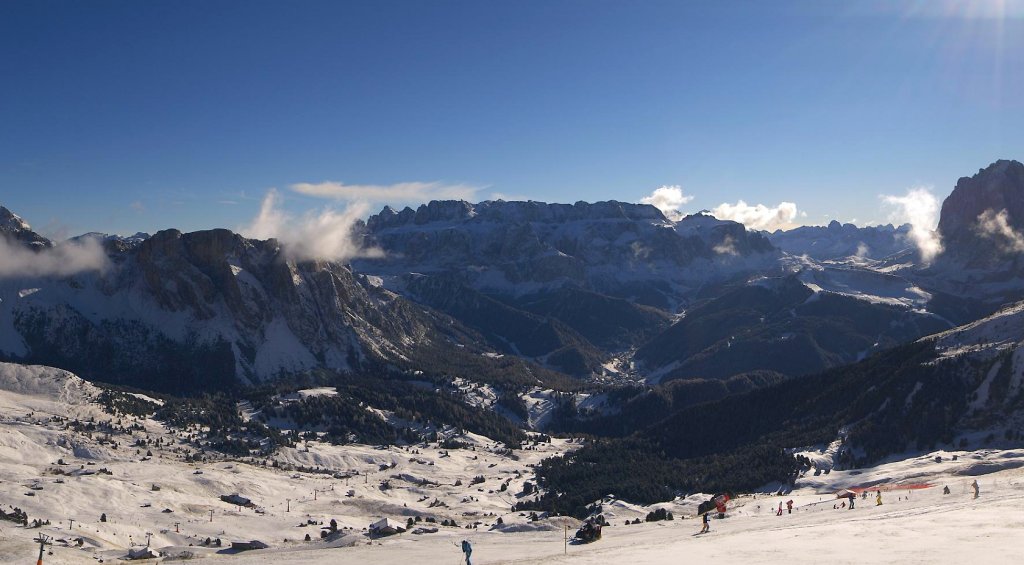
637,471
346,417
898,400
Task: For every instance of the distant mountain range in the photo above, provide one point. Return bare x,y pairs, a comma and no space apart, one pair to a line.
840,241
702,352
518,292
210,310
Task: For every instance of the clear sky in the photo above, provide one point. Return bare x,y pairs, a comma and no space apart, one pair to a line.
143,115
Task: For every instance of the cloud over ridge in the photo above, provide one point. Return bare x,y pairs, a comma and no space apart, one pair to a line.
996,226
64,259
387,193
758,216
669,199
919,208
317,234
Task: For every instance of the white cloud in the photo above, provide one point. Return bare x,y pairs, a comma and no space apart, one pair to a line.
137,206
668,199
758,217
726,247
995,226
387,193
65,259
323,234
919,208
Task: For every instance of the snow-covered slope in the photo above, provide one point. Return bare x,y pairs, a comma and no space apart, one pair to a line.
45,382
176,504
986,337
862,282
63,457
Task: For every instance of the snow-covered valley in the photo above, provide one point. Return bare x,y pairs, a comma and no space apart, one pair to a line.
153,493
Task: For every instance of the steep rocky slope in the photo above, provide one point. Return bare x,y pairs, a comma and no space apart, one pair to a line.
206,310
981,227
613,248
983,218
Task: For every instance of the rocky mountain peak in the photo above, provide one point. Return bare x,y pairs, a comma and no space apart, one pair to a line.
984,209
13,227
9,221
511,212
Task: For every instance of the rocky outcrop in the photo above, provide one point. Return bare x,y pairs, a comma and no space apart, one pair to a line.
982,220
15,229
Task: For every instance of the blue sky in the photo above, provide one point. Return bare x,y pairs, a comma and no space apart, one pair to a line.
139,116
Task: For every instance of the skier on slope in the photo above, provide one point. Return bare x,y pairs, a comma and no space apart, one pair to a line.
707,523
789,506
977,489
779,513
878,498
468,550
852,497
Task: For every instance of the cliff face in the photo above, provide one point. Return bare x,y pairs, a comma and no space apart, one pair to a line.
623,250
982,220
206,310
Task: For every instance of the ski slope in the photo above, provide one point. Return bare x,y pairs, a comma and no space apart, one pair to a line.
912,526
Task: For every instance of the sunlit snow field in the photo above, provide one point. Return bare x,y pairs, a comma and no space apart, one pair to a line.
911,526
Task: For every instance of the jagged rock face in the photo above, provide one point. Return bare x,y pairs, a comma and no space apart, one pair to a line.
512,212
511,248
205,310
561,284
12,227
983,218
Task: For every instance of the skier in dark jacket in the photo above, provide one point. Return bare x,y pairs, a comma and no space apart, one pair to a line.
468,550
707,523
852,497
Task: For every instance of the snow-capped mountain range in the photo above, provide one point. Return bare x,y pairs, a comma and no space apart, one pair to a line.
575,288
840,241
617,249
